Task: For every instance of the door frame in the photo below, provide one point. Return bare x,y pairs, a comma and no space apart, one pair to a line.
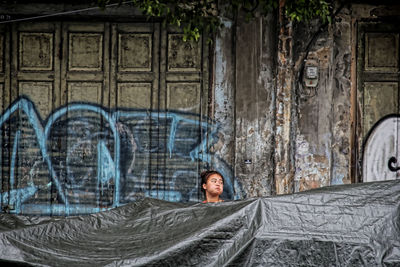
357,140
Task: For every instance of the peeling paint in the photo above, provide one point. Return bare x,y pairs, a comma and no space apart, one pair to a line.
255,105
312,169
323,130
284,169
223,99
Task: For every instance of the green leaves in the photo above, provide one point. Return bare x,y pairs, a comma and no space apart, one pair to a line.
193,16
204,16
306,10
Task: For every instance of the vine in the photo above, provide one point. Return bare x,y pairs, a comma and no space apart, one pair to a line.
195,17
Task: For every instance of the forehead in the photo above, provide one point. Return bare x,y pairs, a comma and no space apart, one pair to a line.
214,176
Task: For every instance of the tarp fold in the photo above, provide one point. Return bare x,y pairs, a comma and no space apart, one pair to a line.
349,225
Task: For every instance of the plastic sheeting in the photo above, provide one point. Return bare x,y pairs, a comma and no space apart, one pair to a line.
351,225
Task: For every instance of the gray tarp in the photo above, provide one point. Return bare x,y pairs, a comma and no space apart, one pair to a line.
351,225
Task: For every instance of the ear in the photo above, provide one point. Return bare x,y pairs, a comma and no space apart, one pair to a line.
204,186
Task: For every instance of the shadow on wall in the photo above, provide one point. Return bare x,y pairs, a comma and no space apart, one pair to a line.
85,159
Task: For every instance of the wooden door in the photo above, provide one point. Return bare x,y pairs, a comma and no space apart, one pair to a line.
34,77
378,94
99,114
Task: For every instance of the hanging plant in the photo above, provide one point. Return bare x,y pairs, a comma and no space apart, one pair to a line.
195,17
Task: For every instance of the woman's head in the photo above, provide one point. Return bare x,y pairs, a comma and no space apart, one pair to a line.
212,183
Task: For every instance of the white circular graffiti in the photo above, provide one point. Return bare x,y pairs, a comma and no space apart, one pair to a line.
381,151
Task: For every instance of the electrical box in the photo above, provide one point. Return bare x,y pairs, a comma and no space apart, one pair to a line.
311,73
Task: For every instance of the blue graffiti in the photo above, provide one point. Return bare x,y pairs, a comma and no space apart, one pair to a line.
13,159
112,124
27,107
105,163
18,196
128,161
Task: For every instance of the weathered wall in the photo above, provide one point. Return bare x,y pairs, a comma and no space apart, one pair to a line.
255,105
323,126
222,102
305,133
244,97
285,108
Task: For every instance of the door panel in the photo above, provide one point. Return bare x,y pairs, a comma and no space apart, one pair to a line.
134,65
135,52
382,52
184,96
85,92
35,65
85,65
85,51
380,99
184,74
134,94
183,56
40,93
35,51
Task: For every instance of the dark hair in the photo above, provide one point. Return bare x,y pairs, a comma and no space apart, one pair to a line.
205,175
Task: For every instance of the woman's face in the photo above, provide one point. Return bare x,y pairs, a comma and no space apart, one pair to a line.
214,185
